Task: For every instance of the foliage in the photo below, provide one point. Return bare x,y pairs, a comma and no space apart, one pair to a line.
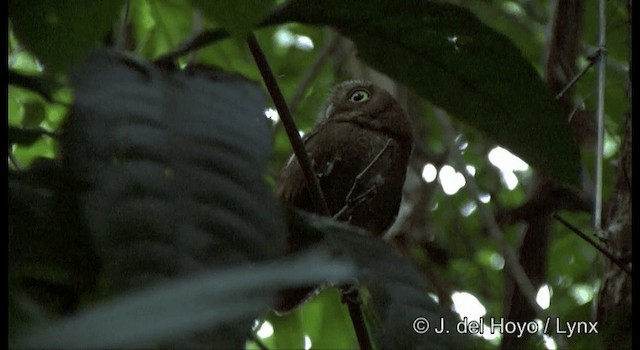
114,159
454,59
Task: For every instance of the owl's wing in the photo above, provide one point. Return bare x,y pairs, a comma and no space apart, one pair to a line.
293,187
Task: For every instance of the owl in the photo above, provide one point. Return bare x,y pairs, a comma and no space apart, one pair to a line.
359,150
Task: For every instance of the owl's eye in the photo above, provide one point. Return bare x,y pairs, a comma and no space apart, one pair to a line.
359,96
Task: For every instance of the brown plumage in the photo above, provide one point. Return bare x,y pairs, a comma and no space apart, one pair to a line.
362,126
353,131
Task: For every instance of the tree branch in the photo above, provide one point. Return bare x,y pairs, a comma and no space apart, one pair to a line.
289,125
592,60
352,295
602,250
197,42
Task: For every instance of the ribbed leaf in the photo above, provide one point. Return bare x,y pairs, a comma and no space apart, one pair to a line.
171,166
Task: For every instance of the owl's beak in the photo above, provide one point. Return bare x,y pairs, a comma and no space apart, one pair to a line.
328,111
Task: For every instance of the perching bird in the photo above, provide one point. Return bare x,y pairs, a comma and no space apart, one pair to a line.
360,151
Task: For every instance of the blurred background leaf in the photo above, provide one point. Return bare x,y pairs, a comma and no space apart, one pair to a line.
61,33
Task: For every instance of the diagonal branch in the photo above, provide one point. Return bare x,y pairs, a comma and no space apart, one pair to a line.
289,125
593,58
352,296
602,250
197,42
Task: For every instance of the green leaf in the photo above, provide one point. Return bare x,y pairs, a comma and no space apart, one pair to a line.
451,58
288,331
160,26
327,314
238,17
34,114
62,32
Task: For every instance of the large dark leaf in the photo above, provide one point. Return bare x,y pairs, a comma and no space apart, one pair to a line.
398,291
60,32
238,17
178,308
172,162
451,58
50,254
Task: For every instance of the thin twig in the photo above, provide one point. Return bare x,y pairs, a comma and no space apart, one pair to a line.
211,36
254,338
355,203
351,297
289,125
592,60
350,203
199,41
578,107
312,72
602,65
512,263
366,170
602,250
121,38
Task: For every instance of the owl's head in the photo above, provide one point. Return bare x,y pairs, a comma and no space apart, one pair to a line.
364,103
